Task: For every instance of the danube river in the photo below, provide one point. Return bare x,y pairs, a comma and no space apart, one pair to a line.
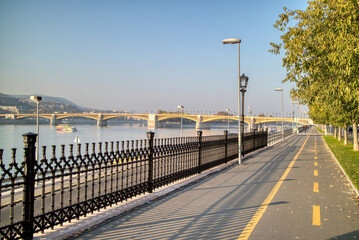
11,136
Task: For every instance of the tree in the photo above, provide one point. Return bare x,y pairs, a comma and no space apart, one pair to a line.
322,59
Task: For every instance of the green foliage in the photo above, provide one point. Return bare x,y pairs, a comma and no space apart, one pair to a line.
321,46
319,130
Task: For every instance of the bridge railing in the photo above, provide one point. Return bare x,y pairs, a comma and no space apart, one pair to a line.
40,195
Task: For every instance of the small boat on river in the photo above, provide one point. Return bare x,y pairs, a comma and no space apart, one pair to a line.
65,128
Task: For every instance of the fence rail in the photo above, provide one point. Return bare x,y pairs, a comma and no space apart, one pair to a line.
39,195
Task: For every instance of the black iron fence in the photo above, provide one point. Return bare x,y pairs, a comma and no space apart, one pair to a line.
277,136
39,195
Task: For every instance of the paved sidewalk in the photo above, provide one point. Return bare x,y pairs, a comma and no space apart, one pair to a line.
318,201
221,205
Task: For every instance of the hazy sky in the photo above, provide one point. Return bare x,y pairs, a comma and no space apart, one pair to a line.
144,55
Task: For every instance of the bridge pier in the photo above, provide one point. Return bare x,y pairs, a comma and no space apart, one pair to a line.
251,125
152,121
200,124
53,120
100,121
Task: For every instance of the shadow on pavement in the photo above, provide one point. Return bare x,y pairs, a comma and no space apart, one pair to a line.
351,235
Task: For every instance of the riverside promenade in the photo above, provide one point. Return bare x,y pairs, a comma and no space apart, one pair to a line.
292,190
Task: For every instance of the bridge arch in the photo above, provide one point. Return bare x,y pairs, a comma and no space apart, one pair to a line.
22,116
139,116
177,116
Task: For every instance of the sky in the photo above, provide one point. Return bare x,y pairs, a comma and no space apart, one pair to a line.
139,56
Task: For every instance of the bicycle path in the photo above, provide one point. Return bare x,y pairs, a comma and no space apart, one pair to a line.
293,190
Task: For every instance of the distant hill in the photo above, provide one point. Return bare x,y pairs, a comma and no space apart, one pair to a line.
50,99
48,104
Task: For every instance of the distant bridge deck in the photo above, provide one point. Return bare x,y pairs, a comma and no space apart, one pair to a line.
100,117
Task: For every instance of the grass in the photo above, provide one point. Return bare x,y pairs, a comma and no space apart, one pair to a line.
320,131
347,158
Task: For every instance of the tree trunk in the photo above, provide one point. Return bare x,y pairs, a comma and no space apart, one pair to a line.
335,132
339,134
355,137
345,135
326,129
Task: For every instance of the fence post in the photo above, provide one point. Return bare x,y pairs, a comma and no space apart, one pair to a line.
266,139
29,185
225,146
150,136
263,138
199,135
254,139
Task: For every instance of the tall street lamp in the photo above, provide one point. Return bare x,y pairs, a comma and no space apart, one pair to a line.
38,100
181,108
293,116
281,90
227,111
243,83
237,41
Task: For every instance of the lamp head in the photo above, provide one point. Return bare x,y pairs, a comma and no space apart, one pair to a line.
243,82
36,98
231,41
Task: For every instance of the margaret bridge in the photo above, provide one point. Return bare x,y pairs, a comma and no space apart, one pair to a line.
155,119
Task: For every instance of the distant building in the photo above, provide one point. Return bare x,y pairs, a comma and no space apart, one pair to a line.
12,109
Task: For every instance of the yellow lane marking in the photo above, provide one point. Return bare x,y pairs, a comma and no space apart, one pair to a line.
316,173
316,153
315,157
257,216
316,164
316,215
315,187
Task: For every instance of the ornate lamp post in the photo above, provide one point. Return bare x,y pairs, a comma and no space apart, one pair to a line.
38,100
227,111
250,118
281,90
243,86
181,108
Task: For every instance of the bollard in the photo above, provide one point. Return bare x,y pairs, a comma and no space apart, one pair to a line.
150,136
199,135
29,185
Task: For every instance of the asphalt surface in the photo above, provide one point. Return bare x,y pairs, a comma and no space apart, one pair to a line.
293,190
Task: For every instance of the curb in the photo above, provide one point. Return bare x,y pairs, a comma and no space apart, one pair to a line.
342,169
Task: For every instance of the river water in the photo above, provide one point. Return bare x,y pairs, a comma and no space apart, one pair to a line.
11,136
